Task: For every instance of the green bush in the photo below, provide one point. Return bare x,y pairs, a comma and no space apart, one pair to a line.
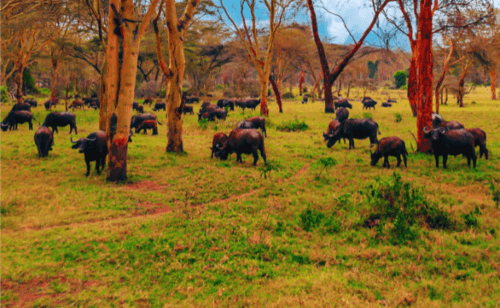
288,95
203,123
45,91
219,87
292,125
311,219
367,115
399,117
400,78
29,85
470,219
5,96
405,87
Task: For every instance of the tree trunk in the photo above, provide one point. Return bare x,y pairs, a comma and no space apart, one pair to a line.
264,87
425,74
461,84
493,82
412,84
276,93
301,82
103,97
348,89
329,106
19,81
53,79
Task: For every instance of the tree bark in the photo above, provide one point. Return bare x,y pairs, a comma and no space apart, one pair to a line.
413,84
277,93
53,79
103,97
19,81
301,82
425,74
461,84
493,82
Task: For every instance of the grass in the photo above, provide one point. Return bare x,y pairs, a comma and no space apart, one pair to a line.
187,230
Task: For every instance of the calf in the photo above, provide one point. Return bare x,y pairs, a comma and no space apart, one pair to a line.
218,141
479,140
55,119
139,118
354,129
94,148
17,117
451,142
342,102
240,141
389,146
386,104
259,122
147,124
369,103
160,106
188,109
44,140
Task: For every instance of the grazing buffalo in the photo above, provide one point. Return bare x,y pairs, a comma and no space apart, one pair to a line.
245,125
31,102
369,103
140,109
451,142
354,129
304,99
160,106
95,104
192,99
342,114
188,109
243,141
332,126
21,106
147,124
438,121
386,104
17,117
139,118
55,119
259,122
89,101
48,105
342,102
148,101
135,105
77,104
391,101
252,103
211,112
94,148
218,141
222,103
44,140
479,140
389,146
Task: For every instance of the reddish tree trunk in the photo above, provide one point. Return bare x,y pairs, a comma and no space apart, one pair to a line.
425,74
276,93
493,81
19,81
412,84
327,87
301,82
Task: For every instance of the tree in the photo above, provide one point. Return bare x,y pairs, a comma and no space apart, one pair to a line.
400,78
329,77
175,70
126,29
277,10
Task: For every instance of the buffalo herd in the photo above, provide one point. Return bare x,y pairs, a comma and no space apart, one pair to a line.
447,137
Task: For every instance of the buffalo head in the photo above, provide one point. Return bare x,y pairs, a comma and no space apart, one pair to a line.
83,144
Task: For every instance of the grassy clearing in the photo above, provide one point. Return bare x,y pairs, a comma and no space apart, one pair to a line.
188,230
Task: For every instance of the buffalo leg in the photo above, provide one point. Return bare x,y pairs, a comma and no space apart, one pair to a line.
212,156
39,150
238,158
55,129
437,160
255,156
386,161
445,159
474,158
88,167
31,125
404,158
97,163
399,160
263,153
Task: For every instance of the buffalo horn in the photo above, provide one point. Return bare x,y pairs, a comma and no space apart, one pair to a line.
91,140
71,138
442,130
426,129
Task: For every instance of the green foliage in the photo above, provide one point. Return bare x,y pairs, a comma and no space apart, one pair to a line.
400,78
405,87
399,117
219,87
29,85
470,219
367,115
5,97
269,167
473,102
203,124
288,95
325,163
495,193
373,68
311,219
397,202
45,91
292,126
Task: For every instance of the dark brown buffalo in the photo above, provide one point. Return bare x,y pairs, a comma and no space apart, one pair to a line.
17,117
94,148
259,122
389,146
342,114
44,140
342,102
391,101
438,121
222,103
55,119
31,102
369,103
140,109
139,118
160,106
192,99
451,142
386,104
354,129
479,140
218,141
211,112
77,104
245,125
243,141
48,105
147,124
21,106
135,105
334,124
188,109
148,101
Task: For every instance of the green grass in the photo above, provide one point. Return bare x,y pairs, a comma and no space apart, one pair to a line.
187,230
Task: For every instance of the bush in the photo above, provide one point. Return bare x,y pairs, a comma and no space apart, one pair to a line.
219,87
311,219
399,117
45,91
292,125
305,90
288,95
203,123
405,87
400,78
367,115
473,102
5,96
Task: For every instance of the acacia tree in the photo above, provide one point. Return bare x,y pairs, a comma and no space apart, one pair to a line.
329,77
277,10
174,72
122,53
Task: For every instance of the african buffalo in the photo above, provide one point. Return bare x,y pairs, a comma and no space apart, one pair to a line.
332,126
342,114
160,106
342,102
17,117
192,99
222,103
31,102
139,118
188,109
386,104
438,121
369,103
147,124
76,104
55,119
389,146
94,148
259,122
479,140
148,101
44,140
219,140
245,125
354,129
451,142
246,141
21,106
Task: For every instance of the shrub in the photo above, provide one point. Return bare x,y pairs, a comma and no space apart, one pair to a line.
367,115
311,219
5,96
405,87
288,95
219,87
292,125
269,167
470,219
400,78
473,102
399,117
45,91
203,123
325,163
